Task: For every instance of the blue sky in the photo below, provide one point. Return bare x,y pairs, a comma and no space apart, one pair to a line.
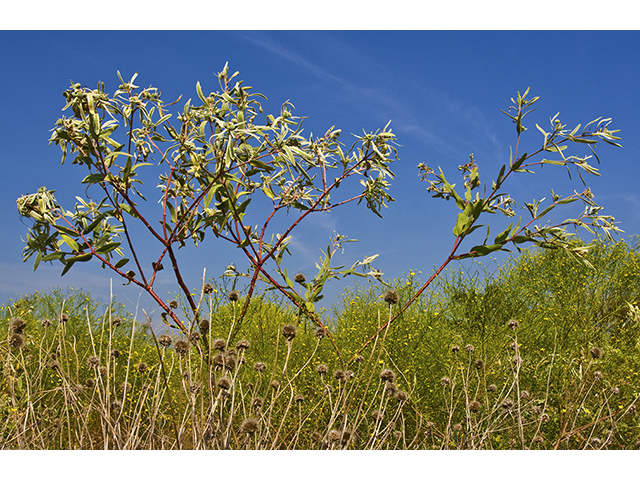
442,91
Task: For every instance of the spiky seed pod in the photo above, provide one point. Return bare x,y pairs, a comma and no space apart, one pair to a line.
512,324
328,389
299,399
615,390
90,383
173,304
93,362
259,366
346,436
596,442
142,367
444,381
125,387
207,289
116,406
63,318
538,439
391,388
525,395
322,369
391,297
204,326
234,295
232,352
274,384
165,341
181,347
338,375
359,359
289,332
475,406
115,353
596,353
257,403
229,362
320,333
224,383
469,348
455,348
194,337
18,325
507,404
46,323
402,396
348,375
16,341
218,360
479,364
388,375
334,435
219,344
103,371
243,345
249,426
492,388
377,415
116,322
299,278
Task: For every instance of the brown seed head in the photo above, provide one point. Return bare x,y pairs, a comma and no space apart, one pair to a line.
18,325
455,348
249,426
444,381
62,318
259,366
243,345
224,383
204,325
274,384
320,333
475,406
93,362
322,369
338,375
492,388
597,376
229,362
115,353
16,341
194,337
596,353
173,304
615,390
391,297
181,347
391,388
116,322
512,324
289,332
234,296
219,344
299,278
469,348
479,364
46,323
402,396
377,415
165,341
90,383
257,403
207,289
388,375
507,404
299,398
142,367
359,359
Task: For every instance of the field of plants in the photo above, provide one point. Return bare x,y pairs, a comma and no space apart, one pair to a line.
534,352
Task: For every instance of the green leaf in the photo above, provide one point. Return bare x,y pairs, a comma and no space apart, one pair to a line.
93,178
71,242
108,247
121,263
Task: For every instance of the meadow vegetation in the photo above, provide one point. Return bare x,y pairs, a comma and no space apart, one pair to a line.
536,352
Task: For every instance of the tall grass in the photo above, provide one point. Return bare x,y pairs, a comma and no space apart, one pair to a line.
534,353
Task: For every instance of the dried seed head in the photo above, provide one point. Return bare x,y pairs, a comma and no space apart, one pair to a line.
274,384
524,395
444,381
234,296
116,322
90,383
328,389
125,387
596,442
322,369
388,375
513,346
243,345
142,367
46,323
173,304
538,439
194,336
391,388
512,324
479,364
218,360
16,341
536,409
299,399
115,353
181,347
207,289
359,359
259,366
219,344
289,332
165,341
596,353
299,278
320,333
229,362
615,390
544,418
377,415
103,371
402,396
391,297
475,406
334,435
338,375
597,376
316,437
457,427
348,375
455,348
249,426
204,325
224,383
195,388
346,436
507,404
469,348
18,325
257,403
62,318
116,406
93,362
232,352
